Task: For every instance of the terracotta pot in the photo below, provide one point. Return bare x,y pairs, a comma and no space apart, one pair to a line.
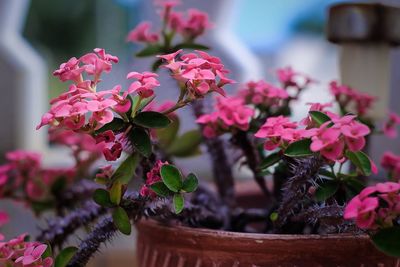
162,246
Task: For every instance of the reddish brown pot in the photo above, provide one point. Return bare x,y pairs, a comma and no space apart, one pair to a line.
161,246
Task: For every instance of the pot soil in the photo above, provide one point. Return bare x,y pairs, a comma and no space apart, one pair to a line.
176,246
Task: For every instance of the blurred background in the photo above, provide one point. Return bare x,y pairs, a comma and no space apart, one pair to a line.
253,38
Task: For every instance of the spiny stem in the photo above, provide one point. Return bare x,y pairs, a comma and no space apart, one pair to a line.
305,172
60,228
241,139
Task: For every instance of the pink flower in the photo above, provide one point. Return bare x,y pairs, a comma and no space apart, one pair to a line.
145,84
280,132
4,218
326,141
389,128
32,255
263,94
376,206
105,173
141,33
231,113
391,163
192,27
152,177
113,153
289,78
354,134
349,98
200,73
70,70
363,210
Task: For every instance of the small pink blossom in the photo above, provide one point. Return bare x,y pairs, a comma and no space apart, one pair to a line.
290,78
152,177
193,26
349,98
231,113
280,132
263,94
391,163
141,33
145,84
201,73
389,128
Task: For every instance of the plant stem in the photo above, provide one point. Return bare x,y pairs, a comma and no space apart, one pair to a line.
242,140
221,167
296,187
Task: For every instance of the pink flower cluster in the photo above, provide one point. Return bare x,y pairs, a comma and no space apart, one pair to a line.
82,107
189,25
376,206
152,177
24,172
351,99
391,163
92,64
231,113
334,137
290,78
201,73
19,253
142,34
262,93
194,25
389,128
280,132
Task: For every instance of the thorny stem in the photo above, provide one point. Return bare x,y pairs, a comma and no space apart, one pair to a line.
305,172
241,139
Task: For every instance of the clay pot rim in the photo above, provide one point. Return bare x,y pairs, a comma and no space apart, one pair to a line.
204,232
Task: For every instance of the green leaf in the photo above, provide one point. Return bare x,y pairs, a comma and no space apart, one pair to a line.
40,206
167,135
179,203
140,141
270,160
299,149
319,118
116,193
326,190
387,240
102,197
151,119
65,256
48,252
161,189
146,101
190,183
149,50
156,65
274,216
361,161
115,125
191,46
186,144
171,177
121,221
327,173
356,185
126,171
